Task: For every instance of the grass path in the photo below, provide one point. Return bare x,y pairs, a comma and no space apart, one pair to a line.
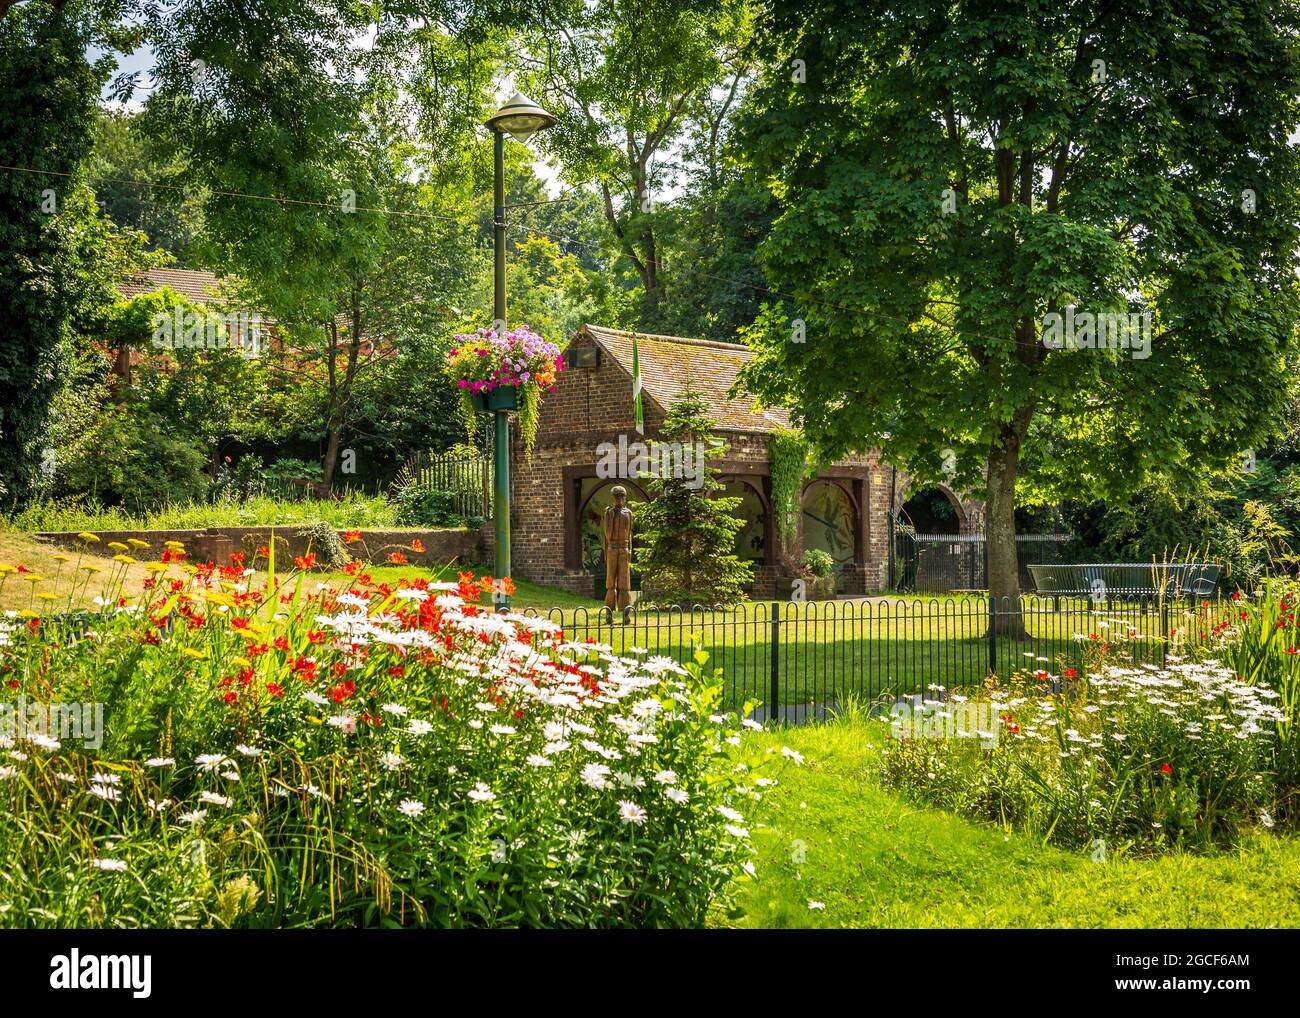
876,860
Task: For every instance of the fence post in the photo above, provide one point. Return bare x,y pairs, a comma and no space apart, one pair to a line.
1164,631
993,635
776,659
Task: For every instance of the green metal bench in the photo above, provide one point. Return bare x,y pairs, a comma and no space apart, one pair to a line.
1105,581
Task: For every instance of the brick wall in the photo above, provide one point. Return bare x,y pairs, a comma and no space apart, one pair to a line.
216,544
594,405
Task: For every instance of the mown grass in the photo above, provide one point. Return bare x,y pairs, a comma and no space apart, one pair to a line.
874,859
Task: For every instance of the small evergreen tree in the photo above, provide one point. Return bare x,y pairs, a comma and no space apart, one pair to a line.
688,537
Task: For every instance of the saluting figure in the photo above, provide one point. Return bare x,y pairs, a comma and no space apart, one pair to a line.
618,555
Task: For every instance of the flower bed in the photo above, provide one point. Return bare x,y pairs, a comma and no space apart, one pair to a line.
1131,757
371,756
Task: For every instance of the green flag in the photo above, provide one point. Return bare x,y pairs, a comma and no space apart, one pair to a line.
636,388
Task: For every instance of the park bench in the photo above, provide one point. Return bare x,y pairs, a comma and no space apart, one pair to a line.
1106,581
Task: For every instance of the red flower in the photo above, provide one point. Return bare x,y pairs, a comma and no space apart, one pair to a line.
351,536
417,546
275,689
305,561
281,643
240,622
263,552
231,697
237,557
397,558
1071,673
1166,770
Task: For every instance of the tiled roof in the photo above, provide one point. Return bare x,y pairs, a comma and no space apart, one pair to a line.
670,365
195,284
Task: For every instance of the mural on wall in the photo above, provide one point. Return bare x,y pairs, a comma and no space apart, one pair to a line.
829,520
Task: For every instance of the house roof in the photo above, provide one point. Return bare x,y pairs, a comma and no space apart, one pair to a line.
672,365
195,284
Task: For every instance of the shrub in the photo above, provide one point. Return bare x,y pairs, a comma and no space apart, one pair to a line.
418,506
131,460
324,542
818,562
361,757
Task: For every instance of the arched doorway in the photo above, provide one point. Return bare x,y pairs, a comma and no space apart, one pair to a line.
594,498
830,523
932,511
751,539
930,550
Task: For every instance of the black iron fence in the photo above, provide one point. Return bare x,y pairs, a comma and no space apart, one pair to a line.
807,657
934,563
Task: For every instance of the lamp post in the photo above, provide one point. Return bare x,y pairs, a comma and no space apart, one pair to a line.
521,118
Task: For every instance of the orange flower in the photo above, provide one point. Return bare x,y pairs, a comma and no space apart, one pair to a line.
351,536
305,561
417,546
397,558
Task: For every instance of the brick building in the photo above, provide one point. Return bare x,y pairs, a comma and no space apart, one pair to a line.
558,497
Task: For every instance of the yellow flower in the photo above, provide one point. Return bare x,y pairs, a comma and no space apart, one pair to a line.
117,545
156,567
243,662
6,570
33,578
191,652
62,558
90,567
45,595
126,560
174,545
27,613
88,537
135,542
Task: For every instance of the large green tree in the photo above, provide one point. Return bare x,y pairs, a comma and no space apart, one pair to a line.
344,204
625,78
950,175
47,118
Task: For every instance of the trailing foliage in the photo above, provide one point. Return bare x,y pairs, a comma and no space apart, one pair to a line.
788,455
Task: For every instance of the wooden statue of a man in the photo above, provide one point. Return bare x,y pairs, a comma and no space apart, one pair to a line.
618,555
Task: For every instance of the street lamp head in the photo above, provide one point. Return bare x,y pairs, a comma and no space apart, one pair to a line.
520,117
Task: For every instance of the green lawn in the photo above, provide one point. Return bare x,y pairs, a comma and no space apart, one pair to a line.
876,860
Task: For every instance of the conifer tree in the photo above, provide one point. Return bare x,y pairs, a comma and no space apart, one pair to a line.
688,534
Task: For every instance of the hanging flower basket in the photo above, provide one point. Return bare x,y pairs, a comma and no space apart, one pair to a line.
504,371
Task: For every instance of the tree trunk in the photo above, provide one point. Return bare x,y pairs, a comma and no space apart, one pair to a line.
1000,524
331,453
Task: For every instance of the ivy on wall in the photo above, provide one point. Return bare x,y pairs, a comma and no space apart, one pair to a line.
788,453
